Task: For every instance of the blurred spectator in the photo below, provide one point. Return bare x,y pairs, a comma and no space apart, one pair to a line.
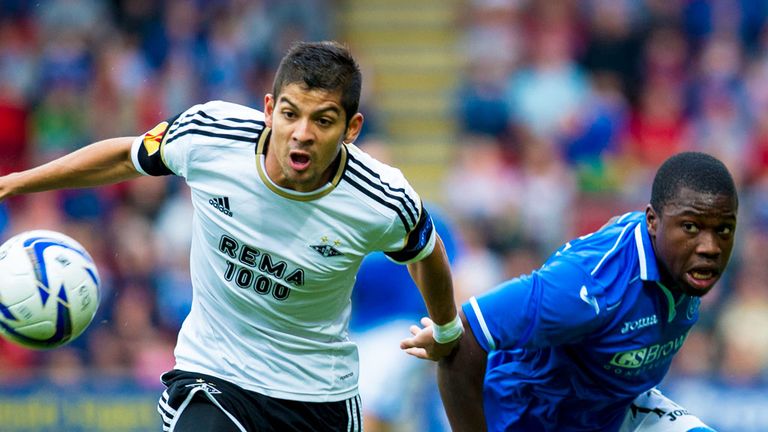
58,122
17,75
482,107
118,93
665,56
613,50
491,47
591,141
484,190
549,88
14,137
546,193
658,128
479,267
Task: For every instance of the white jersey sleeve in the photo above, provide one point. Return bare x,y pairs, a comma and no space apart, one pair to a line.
167,148
411,236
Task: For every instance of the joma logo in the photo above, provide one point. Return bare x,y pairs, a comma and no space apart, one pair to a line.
638,324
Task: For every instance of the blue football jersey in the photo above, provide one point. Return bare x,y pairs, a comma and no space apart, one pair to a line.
572,344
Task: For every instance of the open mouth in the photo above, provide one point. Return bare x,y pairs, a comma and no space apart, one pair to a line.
299,161
702,279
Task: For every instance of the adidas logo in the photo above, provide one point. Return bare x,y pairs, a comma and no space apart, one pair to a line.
221,203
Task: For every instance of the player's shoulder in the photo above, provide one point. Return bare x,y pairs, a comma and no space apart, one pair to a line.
598,268
381,187
361,163
217,123
612,245
223,110
619,222
611,235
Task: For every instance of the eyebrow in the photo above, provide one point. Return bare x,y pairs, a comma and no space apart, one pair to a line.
727,217
331,108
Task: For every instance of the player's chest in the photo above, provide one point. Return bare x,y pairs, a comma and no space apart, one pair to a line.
643,341
258,230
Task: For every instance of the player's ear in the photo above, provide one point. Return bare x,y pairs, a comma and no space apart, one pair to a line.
269,109
354,128
651,220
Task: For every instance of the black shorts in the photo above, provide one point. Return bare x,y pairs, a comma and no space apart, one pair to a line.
189,397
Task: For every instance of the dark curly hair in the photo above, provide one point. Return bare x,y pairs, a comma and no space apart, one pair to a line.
693,170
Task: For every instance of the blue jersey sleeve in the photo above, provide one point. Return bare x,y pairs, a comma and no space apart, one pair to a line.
557,304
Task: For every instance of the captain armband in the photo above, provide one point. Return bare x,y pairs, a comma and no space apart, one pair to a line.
446,333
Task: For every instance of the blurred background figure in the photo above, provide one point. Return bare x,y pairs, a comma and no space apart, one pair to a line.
521,122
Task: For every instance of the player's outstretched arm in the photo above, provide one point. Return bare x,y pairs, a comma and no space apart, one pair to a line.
460,377
103,162
433,277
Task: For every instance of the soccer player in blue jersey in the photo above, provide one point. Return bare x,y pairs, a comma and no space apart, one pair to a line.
581,343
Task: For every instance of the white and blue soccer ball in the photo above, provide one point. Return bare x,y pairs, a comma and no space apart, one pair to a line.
49,289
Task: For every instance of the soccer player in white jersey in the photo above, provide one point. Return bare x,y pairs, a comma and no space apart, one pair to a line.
285,209
581,343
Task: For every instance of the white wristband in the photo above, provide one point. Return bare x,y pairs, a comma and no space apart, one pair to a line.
448,332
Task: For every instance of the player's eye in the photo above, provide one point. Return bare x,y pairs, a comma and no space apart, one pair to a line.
289,114
324,121
690,227
725,230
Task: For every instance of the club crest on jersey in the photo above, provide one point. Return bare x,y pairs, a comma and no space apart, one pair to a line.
154,137
693,307
327,248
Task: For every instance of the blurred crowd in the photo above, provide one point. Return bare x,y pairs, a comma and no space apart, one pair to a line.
565,107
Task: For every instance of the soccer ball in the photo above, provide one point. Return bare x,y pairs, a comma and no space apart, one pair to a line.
49,289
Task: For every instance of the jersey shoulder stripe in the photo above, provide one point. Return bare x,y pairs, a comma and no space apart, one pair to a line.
400,192
373,180
396,196
376,198
219,123
216,120
611,251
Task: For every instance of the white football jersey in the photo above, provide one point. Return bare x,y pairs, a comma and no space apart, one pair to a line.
273,269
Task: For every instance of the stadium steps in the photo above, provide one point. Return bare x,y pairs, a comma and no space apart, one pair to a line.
410,46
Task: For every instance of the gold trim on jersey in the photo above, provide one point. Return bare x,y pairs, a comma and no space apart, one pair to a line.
287,193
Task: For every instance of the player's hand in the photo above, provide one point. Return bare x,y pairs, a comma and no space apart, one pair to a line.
423,345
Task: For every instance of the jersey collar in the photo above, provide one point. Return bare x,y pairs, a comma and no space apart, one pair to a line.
322,191
649,271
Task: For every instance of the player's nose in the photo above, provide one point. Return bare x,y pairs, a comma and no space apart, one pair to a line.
708,244
303,131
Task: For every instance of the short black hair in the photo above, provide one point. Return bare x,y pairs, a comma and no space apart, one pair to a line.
325,65
693,170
